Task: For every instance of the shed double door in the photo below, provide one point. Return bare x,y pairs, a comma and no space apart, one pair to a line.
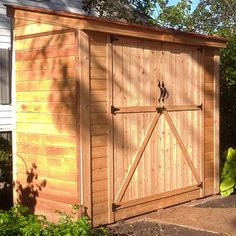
156,139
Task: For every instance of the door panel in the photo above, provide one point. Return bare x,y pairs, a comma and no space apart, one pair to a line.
162,165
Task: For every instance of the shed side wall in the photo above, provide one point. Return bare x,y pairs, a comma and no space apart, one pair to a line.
209,121
46,117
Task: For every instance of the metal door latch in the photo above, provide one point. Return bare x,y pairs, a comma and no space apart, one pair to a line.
164,93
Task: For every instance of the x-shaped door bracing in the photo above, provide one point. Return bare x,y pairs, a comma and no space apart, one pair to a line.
159,111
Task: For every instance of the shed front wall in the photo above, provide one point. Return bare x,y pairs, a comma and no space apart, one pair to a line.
46,116
198,67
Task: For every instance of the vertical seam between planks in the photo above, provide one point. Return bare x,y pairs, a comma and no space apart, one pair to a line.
111,215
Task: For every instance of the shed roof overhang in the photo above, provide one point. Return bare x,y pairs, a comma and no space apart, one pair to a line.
82,22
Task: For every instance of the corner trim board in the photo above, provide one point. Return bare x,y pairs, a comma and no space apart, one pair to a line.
85,140
216,124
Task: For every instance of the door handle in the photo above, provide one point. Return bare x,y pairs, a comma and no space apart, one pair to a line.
164,93
161,90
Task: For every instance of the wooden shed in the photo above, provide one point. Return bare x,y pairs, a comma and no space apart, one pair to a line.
121,118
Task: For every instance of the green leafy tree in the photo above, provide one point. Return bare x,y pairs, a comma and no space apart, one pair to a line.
210,16
228,95
215,18
174,16
128,10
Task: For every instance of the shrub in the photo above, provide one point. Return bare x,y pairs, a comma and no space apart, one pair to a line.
5,162
228,174
18,221
5,174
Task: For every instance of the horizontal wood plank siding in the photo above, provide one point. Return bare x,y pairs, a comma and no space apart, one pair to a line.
46,117
63,5
99,127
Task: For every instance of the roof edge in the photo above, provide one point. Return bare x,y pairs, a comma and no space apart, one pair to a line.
100,20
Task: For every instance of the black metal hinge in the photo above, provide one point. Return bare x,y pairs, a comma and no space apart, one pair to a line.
199,106
114,207
160,109
200,50
200,185
114,109
113,39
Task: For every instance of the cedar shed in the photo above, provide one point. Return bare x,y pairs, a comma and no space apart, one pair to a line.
121,118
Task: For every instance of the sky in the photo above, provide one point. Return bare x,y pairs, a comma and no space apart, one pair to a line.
195,2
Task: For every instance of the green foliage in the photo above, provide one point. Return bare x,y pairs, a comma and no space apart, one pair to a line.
228,95
210,17
18,221
138,11
5,164
175,16
228,175
215,17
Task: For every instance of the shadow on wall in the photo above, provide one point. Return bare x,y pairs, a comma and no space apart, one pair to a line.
61,101
29,192
46,102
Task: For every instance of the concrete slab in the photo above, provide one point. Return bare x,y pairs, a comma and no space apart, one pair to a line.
221,220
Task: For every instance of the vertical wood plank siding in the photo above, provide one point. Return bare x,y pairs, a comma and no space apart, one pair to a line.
46,116
138,65
209,123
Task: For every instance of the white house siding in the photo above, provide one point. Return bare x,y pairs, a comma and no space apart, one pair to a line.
4,28
6,118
